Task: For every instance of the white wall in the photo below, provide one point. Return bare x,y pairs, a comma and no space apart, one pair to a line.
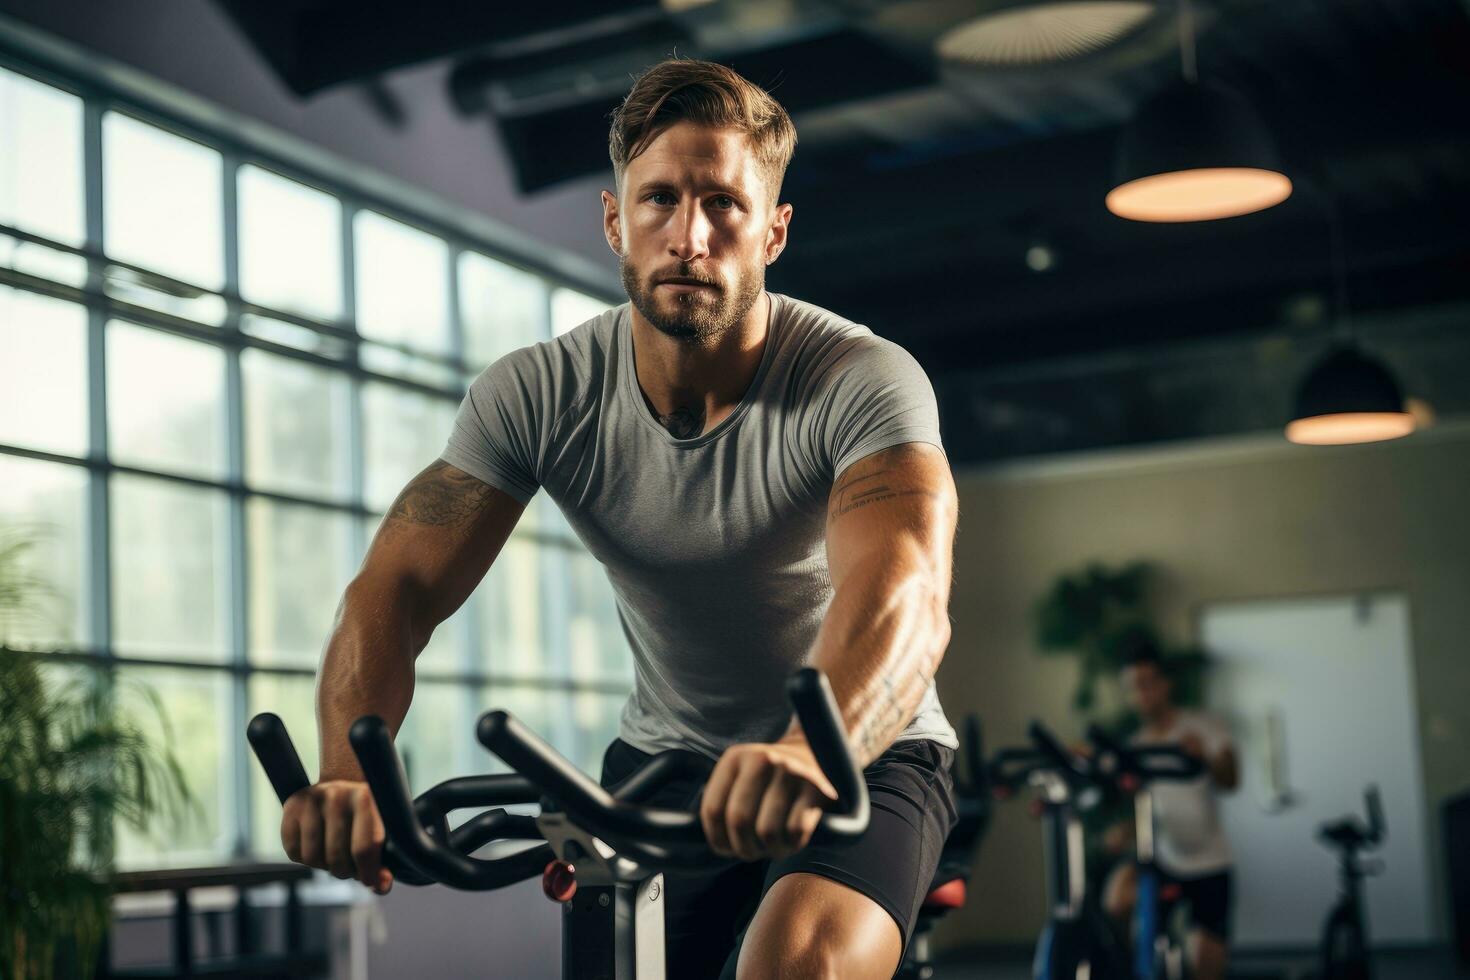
1338,673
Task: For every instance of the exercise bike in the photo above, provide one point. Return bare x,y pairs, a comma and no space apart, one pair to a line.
600,854
1345,935
1157,952
947,889
1077,943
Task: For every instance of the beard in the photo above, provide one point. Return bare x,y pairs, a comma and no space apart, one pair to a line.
696,317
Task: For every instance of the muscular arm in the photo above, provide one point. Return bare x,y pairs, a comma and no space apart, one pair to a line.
432,549
890,535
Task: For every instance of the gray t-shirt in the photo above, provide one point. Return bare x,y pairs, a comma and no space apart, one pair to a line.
715,546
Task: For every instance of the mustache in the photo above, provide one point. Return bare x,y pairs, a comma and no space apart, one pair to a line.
687,278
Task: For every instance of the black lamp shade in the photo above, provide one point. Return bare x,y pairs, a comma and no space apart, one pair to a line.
1194,127
1204,131
1348,381
1349,397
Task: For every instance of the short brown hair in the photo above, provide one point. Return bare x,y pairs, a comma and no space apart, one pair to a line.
710,94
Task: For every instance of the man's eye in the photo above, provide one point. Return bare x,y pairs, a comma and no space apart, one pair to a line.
658,194
725,197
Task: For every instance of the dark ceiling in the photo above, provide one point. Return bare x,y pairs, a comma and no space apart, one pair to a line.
918,187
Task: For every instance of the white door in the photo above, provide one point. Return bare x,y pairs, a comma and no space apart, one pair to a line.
1320,695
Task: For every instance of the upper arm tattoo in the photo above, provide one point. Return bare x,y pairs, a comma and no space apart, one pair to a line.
875,478
441,495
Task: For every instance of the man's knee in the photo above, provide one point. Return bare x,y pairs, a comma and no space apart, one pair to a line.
805,953
1121,892
813,929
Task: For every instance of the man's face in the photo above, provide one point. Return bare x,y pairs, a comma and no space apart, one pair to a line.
1146,689
695,207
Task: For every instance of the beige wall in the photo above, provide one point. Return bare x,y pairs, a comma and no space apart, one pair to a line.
1243,518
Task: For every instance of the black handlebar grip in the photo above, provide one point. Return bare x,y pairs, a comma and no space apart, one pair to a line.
1048,744
811,695
267,736
1373,801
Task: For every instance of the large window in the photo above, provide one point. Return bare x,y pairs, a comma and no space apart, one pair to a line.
216,373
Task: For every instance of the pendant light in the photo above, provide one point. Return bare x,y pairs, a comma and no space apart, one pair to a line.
1196,152
1349,396
1024,33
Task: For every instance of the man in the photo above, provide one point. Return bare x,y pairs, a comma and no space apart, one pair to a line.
1190,844
764,483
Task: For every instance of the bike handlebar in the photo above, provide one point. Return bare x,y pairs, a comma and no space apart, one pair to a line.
620,822
1011,768
1143,763
420,849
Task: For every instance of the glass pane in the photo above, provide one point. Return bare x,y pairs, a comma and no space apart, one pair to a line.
297,417
170,569
542,710
162,197
186,302
445,653
290,245
594,632
401,364
403,432
45,504
545,517
165,401
41,186
571,309
294,699
595,716
502,308
437,740
294,335
510,643
402,283
196,709
301,559
43,372
43,261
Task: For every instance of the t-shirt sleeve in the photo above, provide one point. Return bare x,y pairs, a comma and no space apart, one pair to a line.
878,397
495,434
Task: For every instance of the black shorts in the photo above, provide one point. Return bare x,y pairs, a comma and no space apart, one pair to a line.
1208,897
911,788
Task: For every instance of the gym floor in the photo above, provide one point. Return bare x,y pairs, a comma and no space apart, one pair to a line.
1420,964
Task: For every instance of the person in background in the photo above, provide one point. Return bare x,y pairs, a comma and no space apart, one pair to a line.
1191,847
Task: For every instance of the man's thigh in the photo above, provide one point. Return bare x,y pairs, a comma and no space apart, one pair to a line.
879,880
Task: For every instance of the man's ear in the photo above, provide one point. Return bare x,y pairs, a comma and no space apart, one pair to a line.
776,236
612,228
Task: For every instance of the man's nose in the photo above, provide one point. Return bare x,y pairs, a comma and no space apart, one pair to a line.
690,233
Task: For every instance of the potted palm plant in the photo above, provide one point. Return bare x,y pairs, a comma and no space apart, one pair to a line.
71,766
1100,614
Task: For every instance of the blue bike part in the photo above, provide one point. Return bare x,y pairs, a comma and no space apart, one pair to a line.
1146,925
1041,963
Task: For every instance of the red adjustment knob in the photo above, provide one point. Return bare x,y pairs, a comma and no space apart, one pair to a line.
559,881
1129,782
1171,892
1036,808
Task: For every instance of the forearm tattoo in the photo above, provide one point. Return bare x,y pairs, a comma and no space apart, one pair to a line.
441,495
889,705
683,423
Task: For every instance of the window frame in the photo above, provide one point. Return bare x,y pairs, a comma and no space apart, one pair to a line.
101,91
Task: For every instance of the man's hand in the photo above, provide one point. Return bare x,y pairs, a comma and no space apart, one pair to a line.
1192,745
764,800
1118,837
335,826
